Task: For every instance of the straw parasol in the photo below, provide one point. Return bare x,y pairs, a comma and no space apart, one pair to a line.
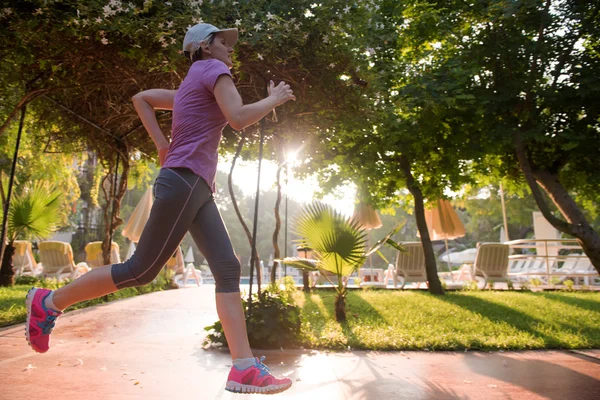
369,219
135,225
443,223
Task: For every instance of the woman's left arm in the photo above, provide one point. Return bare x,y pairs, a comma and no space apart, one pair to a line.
145,103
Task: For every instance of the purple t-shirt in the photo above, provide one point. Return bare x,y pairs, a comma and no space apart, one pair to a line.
198,121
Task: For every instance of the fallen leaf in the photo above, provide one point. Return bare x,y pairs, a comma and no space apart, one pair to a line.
466,381
493,386
79,362
137,383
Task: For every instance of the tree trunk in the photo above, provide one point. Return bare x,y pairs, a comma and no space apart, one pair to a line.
435,286
576,224
237,209
276,251
7,272
305,282
340,307
111,214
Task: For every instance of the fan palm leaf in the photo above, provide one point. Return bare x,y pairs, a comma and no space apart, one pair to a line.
34,212
338,242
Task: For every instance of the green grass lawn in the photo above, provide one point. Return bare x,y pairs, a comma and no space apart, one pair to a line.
12,299
402,320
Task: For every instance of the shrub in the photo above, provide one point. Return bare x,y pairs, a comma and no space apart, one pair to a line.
536,282
569,284
273,323
510,285
471,286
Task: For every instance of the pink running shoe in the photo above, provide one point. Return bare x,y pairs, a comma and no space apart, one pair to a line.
40,320
255,379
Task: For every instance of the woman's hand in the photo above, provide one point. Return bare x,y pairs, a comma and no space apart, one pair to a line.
280,93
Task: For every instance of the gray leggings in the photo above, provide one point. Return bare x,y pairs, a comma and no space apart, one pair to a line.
183,202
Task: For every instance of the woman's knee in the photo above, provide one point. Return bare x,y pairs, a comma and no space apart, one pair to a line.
227,275
133,273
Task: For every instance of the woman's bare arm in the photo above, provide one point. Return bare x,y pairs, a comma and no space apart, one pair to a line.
145,103
239,115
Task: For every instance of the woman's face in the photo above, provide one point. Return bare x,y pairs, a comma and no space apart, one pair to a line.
220,50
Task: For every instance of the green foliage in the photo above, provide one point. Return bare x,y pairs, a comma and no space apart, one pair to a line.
510,284
536,282
388,320
569,285
471,286
338,242
273,322
34,213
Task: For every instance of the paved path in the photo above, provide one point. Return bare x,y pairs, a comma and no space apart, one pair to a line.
149,347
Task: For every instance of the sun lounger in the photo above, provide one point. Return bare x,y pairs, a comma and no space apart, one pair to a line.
56,259
181,270
491,262
410,265
23,260
93,254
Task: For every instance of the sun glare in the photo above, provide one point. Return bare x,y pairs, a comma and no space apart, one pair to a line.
291,158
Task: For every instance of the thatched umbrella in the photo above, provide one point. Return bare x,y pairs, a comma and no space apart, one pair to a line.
369,219
135,225
443,223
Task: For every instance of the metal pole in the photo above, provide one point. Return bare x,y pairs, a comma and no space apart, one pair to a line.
504,213
10,183
112,214
285,241
255,227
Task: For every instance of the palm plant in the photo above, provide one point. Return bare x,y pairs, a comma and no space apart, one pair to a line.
338,245
33,214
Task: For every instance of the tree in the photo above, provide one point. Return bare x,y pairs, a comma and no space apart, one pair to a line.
532,69
33,214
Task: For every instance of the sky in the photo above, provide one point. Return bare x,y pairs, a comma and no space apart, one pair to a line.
245,175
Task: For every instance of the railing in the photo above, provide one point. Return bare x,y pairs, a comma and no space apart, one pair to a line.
548,251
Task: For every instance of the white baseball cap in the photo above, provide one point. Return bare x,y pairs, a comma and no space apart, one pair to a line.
199,32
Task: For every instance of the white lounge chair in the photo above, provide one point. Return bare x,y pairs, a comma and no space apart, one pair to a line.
182,271
578,268
23,260
320,278
374,277
56,259
410,265
491,262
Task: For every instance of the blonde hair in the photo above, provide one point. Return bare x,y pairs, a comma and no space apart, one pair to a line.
197,53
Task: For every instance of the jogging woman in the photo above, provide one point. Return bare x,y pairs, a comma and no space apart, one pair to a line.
204,104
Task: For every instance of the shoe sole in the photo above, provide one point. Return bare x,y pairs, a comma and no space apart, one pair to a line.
236,387
28,304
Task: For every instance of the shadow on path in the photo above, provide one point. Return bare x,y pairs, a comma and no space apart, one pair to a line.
545,378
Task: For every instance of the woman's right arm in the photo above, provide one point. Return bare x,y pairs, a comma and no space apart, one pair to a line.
145,103
239,115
